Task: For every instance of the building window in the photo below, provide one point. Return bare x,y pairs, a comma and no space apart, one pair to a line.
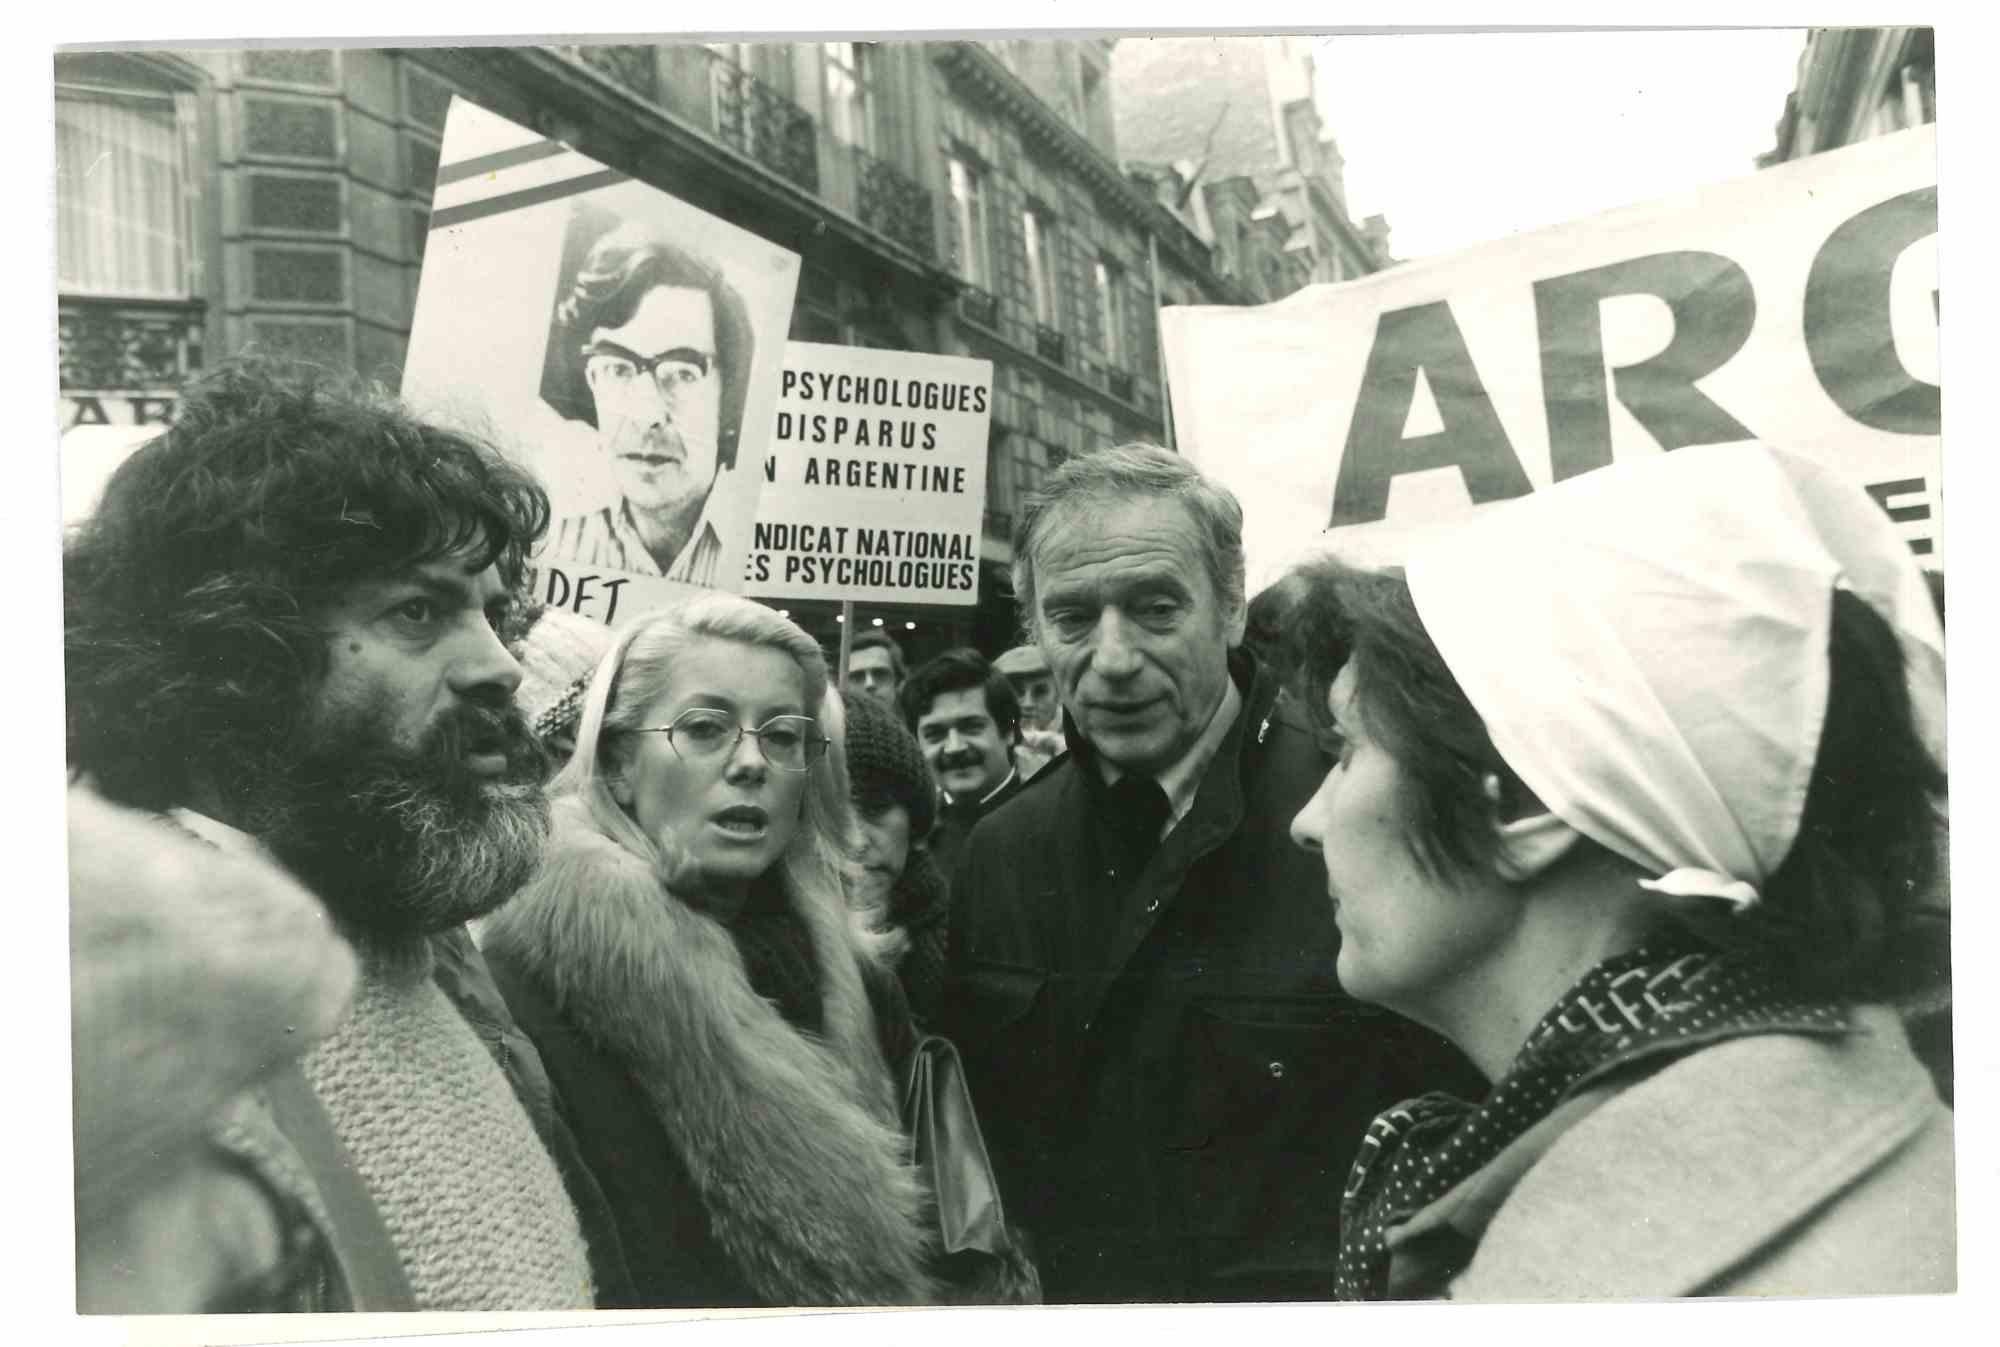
121,193
1039,231
845,66
1111,308
968,201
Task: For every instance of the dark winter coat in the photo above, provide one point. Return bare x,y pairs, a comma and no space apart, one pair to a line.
745,1162
1171,1081
920,907
957,818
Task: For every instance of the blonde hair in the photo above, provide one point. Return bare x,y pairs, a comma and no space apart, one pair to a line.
632,675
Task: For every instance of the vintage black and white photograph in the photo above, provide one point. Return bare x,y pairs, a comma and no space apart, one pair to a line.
623,344
1016,670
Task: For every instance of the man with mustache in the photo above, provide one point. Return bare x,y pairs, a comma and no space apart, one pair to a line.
1140,971
968,724
660,347
283,634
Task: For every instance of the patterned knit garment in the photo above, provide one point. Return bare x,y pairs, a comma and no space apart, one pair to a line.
1652,1004
475,1206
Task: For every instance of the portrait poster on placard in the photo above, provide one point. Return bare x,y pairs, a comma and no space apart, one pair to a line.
622,344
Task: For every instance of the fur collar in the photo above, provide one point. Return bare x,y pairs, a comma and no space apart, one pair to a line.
792,1139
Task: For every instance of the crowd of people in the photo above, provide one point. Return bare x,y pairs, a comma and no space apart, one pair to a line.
1551,917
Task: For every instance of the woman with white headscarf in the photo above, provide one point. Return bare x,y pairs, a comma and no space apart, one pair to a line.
1634,802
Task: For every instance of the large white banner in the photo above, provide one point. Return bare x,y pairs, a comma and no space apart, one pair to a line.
619,342
1798,306
877,478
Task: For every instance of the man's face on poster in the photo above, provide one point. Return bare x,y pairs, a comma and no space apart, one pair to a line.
659,397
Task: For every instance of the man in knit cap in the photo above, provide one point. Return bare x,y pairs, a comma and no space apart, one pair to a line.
895,804
284,629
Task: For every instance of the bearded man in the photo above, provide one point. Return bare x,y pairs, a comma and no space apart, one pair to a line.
283,633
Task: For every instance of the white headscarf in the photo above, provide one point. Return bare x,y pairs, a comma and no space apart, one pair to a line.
1647,646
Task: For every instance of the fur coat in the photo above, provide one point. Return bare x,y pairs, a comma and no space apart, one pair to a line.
788,1142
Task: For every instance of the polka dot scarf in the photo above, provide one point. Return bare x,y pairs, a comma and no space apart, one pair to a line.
1653,1003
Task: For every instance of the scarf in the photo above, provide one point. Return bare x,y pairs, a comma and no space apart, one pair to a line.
791,1137
1643,1008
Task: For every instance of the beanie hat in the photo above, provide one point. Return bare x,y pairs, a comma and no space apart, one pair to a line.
885,765
194,972
557,657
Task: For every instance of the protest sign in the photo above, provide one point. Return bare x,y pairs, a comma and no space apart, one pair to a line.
620,343
1797,307
876,479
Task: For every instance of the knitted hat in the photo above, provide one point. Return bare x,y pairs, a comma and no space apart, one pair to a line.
557,657
193,973
885,765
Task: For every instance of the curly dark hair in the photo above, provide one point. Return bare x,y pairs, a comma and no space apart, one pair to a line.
190,596
1844,913
956,670
621,269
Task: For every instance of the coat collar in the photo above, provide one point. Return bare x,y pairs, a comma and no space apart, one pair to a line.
1218,811
1670,1184
792,1139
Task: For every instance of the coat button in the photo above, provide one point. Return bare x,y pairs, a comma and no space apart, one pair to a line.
1277,1070
1152,904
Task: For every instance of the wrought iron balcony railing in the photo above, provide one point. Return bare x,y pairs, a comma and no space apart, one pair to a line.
1050,344
138,344
634,68
757,120
979,306
892,203
1121,384
752,118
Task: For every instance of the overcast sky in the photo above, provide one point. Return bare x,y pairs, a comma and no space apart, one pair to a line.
1460,138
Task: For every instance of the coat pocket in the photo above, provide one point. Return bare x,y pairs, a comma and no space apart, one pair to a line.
1273,1096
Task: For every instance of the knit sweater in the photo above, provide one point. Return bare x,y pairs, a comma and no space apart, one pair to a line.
475,1206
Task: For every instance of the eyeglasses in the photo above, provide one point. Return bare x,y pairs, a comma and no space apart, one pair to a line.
789,743
610,367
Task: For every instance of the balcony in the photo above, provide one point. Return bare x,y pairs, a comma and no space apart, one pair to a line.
731,106
1050,344
752,118
1121,384
892,203
979,306
998,524
135,344
631,68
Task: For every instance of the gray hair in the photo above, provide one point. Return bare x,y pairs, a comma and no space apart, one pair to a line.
1112,476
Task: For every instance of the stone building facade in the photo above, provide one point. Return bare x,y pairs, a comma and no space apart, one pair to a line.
958,197
1230,124
1853,84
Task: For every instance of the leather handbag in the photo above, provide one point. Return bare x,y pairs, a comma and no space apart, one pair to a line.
979,1257
948,1148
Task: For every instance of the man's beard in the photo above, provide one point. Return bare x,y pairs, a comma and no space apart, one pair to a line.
401,842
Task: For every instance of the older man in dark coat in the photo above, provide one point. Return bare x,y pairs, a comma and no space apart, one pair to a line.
1141,970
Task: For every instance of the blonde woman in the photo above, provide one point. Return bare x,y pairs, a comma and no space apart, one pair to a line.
722,1039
